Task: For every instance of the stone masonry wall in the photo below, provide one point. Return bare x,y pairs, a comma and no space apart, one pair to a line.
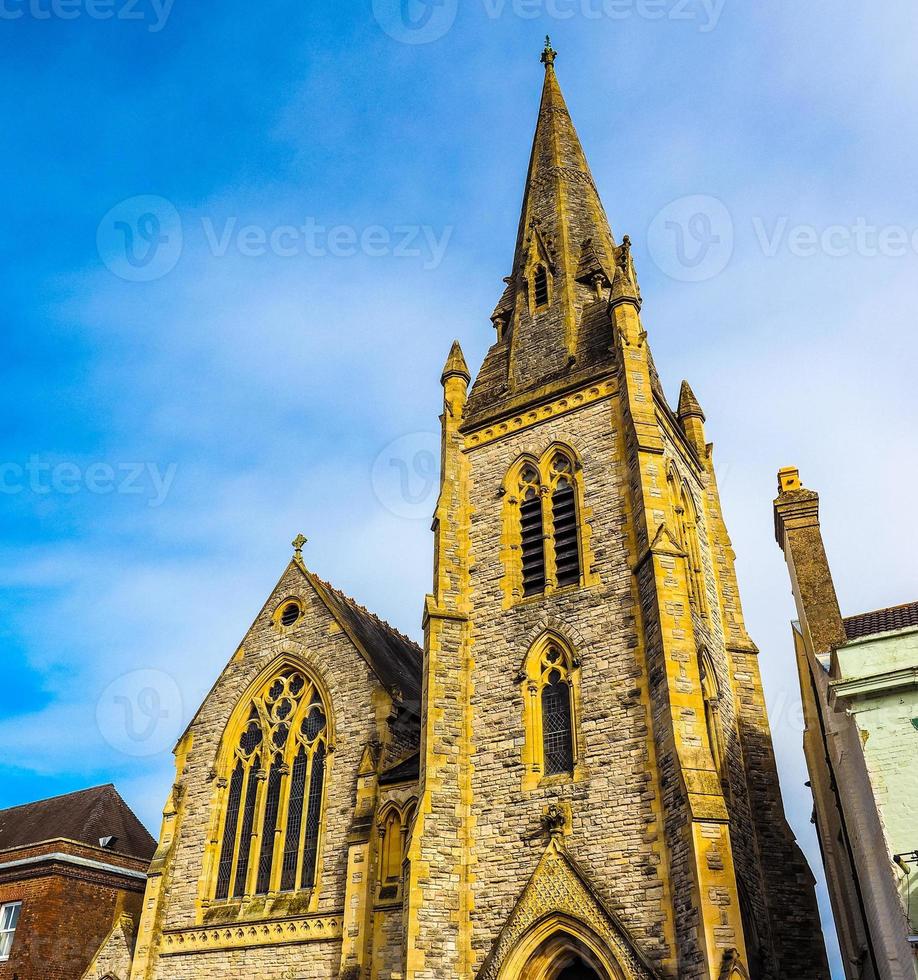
319,644
615,826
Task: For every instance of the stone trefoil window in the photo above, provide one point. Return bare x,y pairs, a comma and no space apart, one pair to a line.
550,689
274,792
557,715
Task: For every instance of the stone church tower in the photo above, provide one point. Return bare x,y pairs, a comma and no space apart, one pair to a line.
574,780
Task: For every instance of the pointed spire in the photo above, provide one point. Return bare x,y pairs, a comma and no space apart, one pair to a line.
561,200
455,366
689,407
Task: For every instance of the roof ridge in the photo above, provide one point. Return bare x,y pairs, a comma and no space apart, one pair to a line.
882,609
378,619
60,796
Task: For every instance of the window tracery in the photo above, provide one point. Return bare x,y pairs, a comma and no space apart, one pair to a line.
551,695
545,524
275,792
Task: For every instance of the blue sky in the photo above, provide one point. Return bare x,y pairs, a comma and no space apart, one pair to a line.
164,439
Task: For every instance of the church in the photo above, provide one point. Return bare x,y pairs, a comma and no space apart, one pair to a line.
574,779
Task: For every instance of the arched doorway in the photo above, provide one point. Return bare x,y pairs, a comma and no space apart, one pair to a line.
578,970
559,948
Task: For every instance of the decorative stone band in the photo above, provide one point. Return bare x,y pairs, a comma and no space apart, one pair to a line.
561,406
251,935
565,173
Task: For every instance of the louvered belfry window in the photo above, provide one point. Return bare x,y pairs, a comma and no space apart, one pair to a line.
540,286
546,504
280,755
564,522
557,715
533,532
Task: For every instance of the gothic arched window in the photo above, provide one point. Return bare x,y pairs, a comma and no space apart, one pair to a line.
686,527
550,712
544,525
275,791
394,828
532,531
565,525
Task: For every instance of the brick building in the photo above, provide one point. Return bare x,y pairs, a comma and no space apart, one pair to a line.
859,687
574,778
72,876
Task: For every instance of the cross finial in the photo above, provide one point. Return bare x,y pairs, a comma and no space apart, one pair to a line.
549,54
298,542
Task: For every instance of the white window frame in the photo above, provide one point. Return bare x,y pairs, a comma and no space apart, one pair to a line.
8,911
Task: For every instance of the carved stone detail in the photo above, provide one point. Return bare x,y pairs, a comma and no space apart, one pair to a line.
556,887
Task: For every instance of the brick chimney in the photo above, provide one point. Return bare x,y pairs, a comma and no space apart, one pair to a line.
800,537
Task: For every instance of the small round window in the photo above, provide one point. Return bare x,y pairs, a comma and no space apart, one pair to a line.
290,614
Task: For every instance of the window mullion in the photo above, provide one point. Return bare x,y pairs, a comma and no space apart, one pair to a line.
283,818
301,843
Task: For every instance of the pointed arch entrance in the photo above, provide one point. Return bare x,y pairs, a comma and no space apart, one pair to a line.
560,948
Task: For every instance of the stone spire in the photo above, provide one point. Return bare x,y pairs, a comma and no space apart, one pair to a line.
455,365
561,204
552,319
691,418
689,406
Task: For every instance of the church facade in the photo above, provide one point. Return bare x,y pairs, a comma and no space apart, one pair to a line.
574,779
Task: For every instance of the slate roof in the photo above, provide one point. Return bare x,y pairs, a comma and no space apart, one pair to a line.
407,770
85,816
882,621
396,659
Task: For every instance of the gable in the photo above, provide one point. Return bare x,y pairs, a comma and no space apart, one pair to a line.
393,659
558,895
